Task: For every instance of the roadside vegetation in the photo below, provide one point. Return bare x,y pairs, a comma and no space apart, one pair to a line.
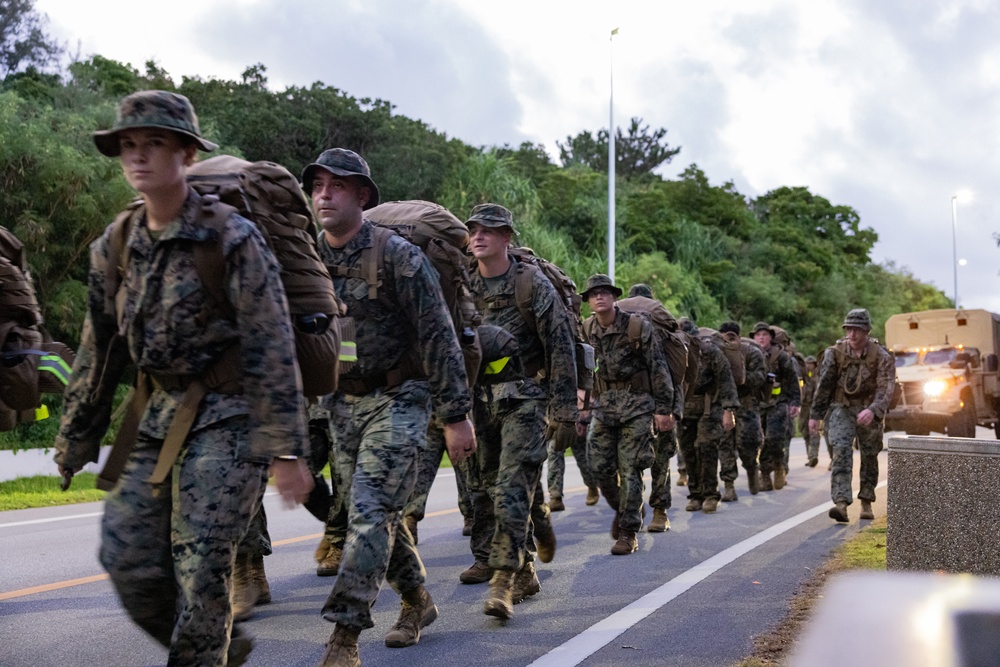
866,551
44,491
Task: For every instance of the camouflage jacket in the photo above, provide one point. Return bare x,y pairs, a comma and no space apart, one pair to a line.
618,359
756,375
808,388
164,335
715,380
864,383
416,328
551,347
780,363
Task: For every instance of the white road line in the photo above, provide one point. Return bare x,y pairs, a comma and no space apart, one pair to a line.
58,518
599,635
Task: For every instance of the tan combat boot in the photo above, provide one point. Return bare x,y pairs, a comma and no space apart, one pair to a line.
342,649
545,541
245,592
411,524
329,566
322,550
710,505
660,522
866,510
626,544
682,478
593,495
477,573
556,504
779,478
260,579
526,583
765,481
240,646
693,505
467,526
417,612
730,494
839,512
499,602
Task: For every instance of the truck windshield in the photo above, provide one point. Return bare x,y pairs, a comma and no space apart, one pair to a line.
941,356
905,359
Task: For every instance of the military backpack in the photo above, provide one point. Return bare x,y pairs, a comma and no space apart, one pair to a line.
675,344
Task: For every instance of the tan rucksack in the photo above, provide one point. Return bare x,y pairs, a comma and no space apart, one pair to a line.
673,342
732,347
444,240
30,362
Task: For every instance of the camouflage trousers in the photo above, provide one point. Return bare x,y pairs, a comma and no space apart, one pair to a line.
557,466
377,441
812,439
664,447
774,421
619,453
844,430
170,553
430,463
699,441
504,480
744,440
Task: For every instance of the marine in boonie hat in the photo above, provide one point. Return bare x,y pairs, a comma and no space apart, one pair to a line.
153,109
491,215
600,281
762,326
346,164
859,319
641,289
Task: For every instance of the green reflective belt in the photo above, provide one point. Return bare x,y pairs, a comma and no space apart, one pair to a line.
775,391
495,367
348,351
53,363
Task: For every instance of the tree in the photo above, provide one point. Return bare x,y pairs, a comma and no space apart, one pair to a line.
636,155
23,42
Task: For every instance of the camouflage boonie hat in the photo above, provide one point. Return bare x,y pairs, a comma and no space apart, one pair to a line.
762,326
688,326
152,109
641,289
346,164
859,319
599,280
491,215
811,359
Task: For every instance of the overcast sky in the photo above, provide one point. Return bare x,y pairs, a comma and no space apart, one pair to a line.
888,106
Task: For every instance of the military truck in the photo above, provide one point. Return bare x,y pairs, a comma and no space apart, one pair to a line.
946,364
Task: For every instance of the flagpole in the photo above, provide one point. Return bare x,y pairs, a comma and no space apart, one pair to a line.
611,163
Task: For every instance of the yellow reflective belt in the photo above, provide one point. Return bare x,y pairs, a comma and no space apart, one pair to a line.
494,367
775,391
41,413
348,350
54,364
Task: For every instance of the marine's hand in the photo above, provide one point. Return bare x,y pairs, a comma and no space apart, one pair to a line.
866,417
793,411
814,426
581,429
293,479
460,440
67,476
664,423
728,421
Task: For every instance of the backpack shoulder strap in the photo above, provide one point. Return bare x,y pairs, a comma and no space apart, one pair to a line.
524,291
118,259
209,260
589,327
635,329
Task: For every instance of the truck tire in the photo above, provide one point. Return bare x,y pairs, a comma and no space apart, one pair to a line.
963,423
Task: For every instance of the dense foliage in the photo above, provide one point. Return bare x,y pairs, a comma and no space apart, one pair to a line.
790,256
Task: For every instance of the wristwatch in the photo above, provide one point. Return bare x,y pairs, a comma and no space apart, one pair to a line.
454,419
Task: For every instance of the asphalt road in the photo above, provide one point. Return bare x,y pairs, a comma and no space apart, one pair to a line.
692,597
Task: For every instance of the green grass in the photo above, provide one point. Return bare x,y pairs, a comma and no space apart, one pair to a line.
866,551
41,434
44,491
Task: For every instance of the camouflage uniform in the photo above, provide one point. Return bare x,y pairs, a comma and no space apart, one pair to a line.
664,447
170,551
430,463
874,391
379,432
557,466
746,436
774,409
808,391
701,428
631,386
510,414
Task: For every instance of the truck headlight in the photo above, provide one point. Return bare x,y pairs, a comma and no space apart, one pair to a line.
935,388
